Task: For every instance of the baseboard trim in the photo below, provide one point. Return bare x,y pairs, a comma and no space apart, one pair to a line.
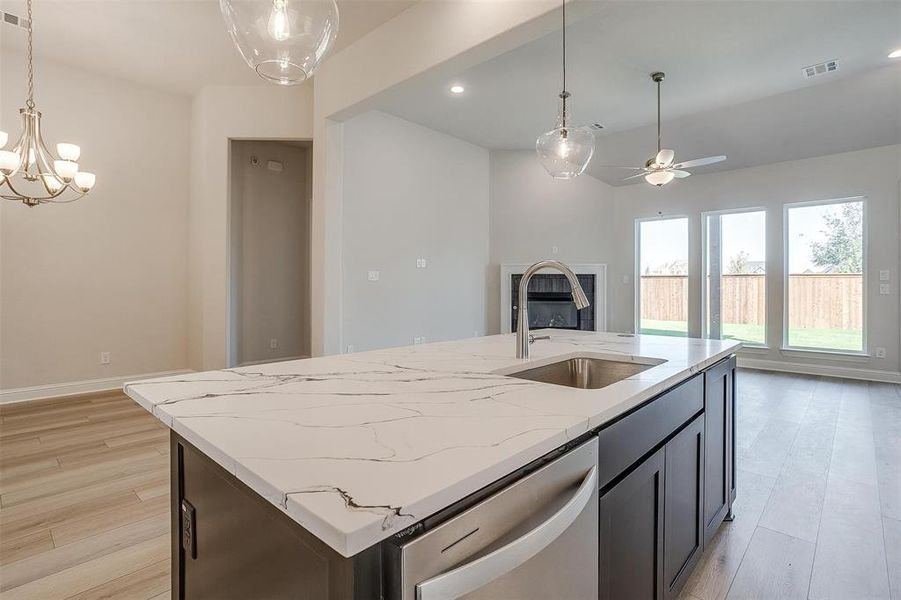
271,360
824,370
55,390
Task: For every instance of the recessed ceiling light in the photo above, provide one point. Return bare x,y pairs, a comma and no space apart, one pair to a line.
457,89
895,54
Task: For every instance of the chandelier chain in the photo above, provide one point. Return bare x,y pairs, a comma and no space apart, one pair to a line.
30,102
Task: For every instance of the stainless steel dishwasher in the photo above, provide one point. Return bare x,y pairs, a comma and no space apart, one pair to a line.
534,539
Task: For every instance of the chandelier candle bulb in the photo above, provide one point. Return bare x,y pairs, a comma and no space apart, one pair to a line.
65,169
68,151
84,181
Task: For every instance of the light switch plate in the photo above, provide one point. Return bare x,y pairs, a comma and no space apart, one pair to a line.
884,289
373,275
883,275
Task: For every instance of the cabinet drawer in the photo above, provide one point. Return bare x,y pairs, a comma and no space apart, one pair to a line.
624,442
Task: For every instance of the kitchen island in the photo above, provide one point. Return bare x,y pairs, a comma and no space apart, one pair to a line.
357,450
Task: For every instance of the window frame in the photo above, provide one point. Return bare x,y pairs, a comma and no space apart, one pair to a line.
636,268
704,265
786,207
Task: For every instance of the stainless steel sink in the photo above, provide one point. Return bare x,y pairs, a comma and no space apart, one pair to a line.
583,372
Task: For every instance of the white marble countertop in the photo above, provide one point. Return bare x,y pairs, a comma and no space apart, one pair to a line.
359,446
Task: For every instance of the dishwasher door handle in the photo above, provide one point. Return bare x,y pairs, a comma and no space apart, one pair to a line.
473,575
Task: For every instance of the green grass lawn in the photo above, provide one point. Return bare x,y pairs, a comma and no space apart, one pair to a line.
827,339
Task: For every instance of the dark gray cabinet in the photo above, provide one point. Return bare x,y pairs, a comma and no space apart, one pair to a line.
719,426
683,520
631,534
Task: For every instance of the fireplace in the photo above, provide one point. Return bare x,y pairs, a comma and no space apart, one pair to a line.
550,302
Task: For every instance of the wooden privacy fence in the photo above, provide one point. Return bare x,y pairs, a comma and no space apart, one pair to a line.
818,300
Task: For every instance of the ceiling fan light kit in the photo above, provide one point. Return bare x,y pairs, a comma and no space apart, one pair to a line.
284,41
565,151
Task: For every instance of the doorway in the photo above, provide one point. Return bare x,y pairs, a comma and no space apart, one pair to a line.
270,193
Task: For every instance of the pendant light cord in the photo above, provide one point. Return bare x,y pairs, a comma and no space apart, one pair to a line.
30,102
564,94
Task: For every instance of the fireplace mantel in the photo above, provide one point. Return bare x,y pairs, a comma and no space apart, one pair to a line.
600,291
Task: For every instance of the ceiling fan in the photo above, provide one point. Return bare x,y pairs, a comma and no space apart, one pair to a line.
661,168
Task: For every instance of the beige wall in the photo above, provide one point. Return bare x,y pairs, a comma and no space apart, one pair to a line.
872,173
106,273
410,193
221,113
270,270
532,213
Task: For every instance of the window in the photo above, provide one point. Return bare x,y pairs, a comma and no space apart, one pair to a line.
662,276
734,294
824,296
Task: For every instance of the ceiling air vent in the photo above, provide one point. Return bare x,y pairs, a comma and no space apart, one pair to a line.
15,20
820,68
595,127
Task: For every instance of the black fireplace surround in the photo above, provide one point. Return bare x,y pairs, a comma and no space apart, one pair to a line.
550,302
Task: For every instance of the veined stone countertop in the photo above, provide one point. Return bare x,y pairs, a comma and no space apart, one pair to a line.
356,447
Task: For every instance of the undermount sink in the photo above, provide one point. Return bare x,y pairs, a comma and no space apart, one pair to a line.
584,372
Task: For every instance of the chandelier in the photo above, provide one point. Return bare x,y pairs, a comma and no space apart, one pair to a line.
30,173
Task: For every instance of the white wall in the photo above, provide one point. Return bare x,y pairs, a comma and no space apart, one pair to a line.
873,173
430,39
411,192
270,270
221,113
108,272
531,213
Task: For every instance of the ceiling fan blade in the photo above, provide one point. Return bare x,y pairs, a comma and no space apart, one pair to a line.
619,167
699,162
679,174
634,176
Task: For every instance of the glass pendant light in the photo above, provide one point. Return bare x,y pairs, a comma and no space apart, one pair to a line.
284,41
565,151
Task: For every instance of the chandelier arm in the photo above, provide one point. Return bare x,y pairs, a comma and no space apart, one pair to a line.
51,197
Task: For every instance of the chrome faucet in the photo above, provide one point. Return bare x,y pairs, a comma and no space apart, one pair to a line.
522,322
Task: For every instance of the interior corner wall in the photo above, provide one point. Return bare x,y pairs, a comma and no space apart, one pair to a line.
106,273
532,214
412,193
873,173
219,114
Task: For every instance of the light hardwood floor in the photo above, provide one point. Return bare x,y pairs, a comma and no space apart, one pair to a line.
84,493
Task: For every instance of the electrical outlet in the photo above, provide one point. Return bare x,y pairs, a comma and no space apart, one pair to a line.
884,275
625,279
273,344
884,289
419,339
350,349
880,352
373,275
554,249
105,358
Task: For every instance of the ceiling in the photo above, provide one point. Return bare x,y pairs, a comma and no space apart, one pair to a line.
733,86
176,45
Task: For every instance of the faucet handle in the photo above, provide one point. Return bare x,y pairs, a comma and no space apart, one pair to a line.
533,337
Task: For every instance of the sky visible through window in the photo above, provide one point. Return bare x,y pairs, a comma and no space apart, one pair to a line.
664,247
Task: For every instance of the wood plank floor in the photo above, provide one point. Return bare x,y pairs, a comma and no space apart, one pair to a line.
84,495
818,513
84,491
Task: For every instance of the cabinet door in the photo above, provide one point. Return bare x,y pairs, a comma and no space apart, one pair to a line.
631,534
719,429
683,527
